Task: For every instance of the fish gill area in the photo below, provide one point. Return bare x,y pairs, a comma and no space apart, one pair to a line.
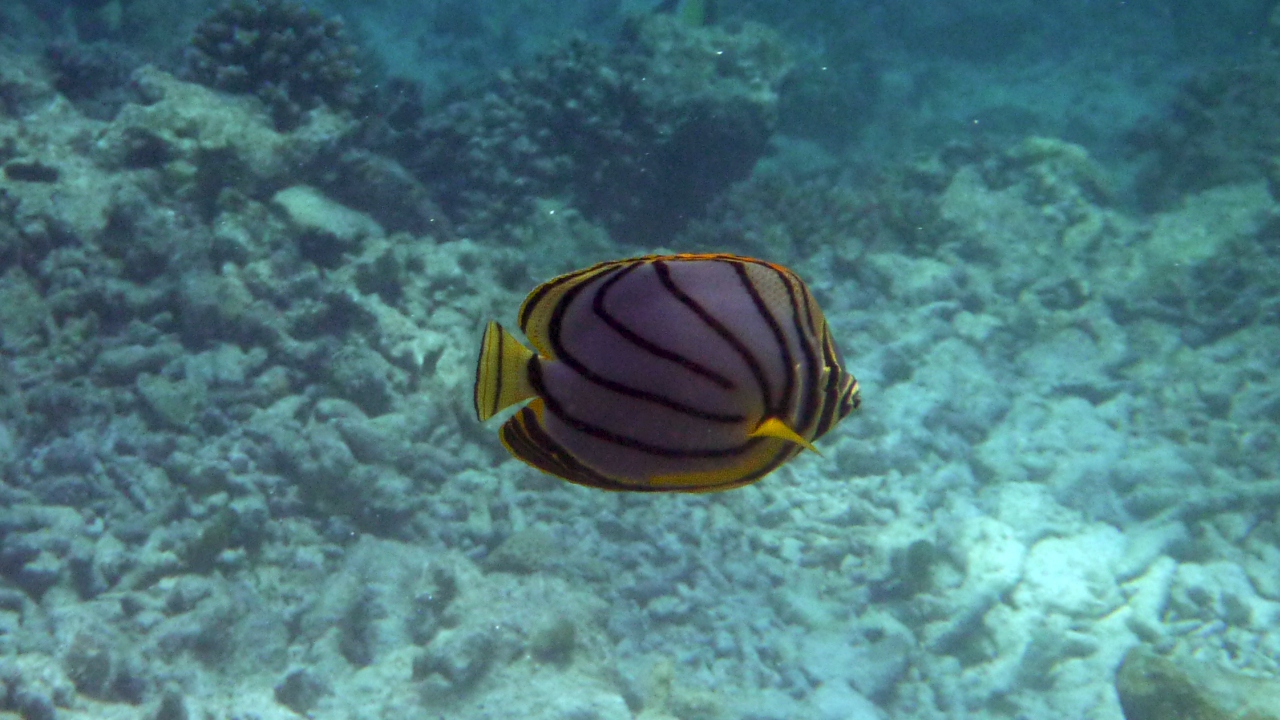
240,476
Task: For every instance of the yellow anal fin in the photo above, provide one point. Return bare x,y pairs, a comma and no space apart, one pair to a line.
525,437
775,428
711,482
502,372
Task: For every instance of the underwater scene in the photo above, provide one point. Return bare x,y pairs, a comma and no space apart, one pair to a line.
640,359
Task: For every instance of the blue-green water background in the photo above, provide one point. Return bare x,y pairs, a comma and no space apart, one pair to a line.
239,471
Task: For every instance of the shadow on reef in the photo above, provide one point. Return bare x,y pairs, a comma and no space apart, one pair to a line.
1219,129
638,137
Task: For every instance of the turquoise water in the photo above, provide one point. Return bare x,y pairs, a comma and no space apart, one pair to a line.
247,254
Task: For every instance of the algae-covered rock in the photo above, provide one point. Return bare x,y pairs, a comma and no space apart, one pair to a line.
301,689
24,314
1205,263
204,144
51,194
1152,687
455,659
525,551
326,229
555,641
172,402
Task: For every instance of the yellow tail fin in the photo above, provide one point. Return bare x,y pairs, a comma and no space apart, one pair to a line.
502,372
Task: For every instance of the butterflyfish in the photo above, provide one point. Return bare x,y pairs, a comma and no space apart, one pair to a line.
676,373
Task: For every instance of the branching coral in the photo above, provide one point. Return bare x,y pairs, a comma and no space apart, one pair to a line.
638,137
290,56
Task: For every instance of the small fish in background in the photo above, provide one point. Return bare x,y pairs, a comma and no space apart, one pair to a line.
675,373
695,13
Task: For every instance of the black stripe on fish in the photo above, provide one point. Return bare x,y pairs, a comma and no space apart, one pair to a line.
806,405
785,453
497,388
485,344
535,297
693,366
562,353
773,407
748,357
475,393
556,408
526,438
831,393
851,399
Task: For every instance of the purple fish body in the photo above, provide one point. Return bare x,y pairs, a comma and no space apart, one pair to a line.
666,373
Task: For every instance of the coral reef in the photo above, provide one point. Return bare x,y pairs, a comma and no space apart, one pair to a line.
288,55
639,138
95,76
240,477
1152,687
1219,129
794,205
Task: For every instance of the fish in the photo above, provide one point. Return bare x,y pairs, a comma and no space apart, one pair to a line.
665,373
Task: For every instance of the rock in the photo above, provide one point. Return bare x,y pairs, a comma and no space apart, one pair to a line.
1074,575
326,229
1263,567
994,563
1220,590
124,364
39,574
206,142
171,707
173,402
1148,599
838,701
1152,687
301,689
524,552
24,314
363,376
88,664
1204,226
459,658
916,281
8,446
555,641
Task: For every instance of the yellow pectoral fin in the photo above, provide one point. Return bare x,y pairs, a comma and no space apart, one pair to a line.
502,372
775,428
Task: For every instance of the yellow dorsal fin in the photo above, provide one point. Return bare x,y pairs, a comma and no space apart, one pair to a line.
537,310
502,372
775,428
